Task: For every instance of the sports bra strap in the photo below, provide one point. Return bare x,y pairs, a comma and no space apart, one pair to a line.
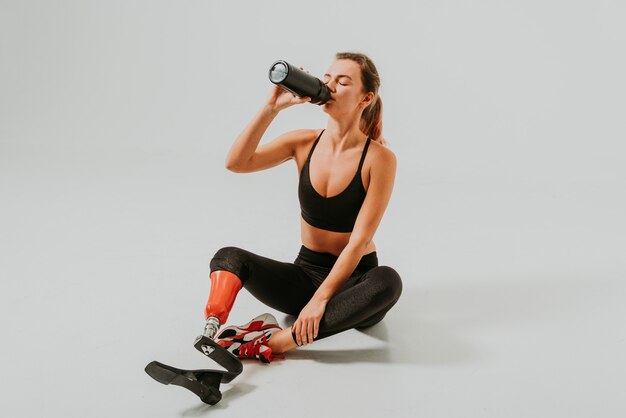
367,144
315,144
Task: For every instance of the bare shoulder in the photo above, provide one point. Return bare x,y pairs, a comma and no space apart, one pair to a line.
305,136
299,135
379,165
303,139
381,155
298,138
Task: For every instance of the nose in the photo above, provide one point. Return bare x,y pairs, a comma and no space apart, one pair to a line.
331,87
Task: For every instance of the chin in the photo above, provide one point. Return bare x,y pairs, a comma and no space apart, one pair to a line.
326,108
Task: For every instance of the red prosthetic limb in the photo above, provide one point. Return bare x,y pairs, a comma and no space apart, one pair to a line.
224,288
205,383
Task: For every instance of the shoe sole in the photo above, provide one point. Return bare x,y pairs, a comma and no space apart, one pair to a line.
204,383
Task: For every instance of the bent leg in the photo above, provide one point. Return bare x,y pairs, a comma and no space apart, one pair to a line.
362,303
280,285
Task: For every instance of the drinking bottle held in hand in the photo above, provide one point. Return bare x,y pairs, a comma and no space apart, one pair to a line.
299,82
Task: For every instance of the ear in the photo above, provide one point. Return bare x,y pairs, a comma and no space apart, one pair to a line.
367,100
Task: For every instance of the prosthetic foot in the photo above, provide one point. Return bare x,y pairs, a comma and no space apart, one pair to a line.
205,383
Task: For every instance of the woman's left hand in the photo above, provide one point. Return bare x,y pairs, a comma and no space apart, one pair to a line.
306,326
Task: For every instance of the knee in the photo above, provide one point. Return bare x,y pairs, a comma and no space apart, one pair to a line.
390,282
233,259
229,252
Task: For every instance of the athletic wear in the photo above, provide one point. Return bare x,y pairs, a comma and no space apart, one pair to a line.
362,300
247,332
335,213
258,349
251,340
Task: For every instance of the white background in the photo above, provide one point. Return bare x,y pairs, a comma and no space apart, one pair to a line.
506,222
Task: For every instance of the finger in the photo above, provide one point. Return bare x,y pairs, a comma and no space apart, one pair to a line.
303,335
316,329
301,99
310,332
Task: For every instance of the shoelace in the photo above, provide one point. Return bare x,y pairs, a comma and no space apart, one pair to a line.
244,331
253,348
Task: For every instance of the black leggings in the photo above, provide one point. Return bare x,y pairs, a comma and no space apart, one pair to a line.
362,301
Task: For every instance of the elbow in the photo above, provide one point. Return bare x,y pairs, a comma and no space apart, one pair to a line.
237,167
231,166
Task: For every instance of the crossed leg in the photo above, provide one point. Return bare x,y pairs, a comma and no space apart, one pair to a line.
363,300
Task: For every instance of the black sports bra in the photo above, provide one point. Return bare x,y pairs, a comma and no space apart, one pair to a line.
335,213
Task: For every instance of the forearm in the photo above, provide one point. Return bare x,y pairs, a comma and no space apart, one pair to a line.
342,269
247,142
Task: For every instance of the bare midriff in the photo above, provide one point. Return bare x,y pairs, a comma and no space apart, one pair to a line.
324,241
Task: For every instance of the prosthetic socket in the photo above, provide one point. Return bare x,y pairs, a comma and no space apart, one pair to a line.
224,288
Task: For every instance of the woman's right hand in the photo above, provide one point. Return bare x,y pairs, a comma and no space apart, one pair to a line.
280,99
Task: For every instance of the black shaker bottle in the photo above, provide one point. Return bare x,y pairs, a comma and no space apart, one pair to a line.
299,82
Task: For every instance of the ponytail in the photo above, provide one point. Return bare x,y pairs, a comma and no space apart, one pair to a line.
372,121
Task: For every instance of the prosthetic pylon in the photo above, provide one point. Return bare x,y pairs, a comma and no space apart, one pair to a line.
224,288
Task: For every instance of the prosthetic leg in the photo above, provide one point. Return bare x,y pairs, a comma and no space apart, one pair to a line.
205,383
224,288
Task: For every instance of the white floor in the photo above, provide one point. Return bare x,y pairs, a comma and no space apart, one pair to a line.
513,301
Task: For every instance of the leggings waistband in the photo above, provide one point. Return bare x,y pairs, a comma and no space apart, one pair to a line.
367,262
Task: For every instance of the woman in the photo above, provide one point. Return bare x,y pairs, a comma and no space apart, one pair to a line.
335,283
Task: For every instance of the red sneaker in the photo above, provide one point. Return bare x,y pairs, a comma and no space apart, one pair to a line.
260,323
258,348
246,341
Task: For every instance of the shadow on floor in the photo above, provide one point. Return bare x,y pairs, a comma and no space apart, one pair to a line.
436,324
403,336
229,392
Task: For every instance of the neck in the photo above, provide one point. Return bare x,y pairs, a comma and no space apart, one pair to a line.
344,133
